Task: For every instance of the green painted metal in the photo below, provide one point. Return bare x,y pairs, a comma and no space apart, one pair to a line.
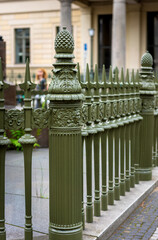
104,195
84,135
122,139
89,206
111,140
99,129
137,128
147,93
132,131
155,124
83,213
104,117
127,132
65,144
117,135
27,142
117,179
88,116
82,114
3,146
127,180
156,110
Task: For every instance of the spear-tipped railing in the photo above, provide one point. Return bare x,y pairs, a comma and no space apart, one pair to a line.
115,117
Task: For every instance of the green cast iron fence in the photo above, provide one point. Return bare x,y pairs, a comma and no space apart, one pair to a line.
110,123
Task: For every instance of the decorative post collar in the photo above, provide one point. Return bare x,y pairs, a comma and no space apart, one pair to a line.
65,83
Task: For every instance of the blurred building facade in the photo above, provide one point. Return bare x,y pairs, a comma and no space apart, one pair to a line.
29,29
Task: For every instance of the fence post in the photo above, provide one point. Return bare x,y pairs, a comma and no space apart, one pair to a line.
147,94
27,142
4,141
65,144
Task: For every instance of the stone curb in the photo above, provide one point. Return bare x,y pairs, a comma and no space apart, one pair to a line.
106,220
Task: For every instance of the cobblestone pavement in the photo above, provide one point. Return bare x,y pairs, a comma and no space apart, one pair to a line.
142,223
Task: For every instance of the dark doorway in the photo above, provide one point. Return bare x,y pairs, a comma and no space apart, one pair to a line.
104,40
152,36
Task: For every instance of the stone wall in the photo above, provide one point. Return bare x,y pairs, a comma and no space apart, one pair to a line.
42,24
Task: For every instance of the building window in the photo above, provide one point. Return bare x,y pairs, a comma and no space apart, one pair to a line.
152,36
104,40
22,45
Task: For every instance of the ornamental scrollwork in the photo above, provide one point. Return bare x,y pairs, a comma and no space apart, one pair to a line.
115,109
139,105
101,110
64,80
131,106
148,104
84,113
66,117
135,105
120,108
14,119
93,112
156,102
108,110
40,118
126,106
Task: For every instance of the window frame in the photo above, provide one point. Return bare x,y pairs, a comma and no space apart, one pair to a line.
23,45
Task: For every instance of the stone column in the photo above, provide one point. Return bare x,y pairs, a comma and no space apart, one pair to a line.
66,14
119,34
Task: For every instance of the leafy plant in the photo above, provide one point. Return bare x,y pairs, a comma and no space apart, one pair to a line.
36,145
16,135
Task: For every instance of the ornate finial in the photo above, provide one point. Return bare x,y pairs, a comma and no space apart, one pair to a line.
116,75
96,77
64,44
146,73
132,77
122,79
65,84
27,86
110,75
127,77
78,71
147,60
88,82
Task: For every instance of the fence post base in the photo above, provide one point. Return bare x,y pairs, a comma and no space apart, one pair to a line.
145,174
71,234
3,235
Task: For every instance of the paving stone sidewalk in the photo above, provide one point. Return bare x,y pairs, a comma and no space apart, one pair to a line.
142,223
143,219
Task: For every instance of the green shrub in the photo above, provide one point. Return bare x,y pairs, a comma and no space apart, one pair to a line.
17,134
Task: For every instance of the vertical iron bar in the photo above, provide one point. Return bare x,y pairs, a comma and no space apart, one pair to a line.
89,206
117,183
111,165
27,142
127,180
104,196
4,141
